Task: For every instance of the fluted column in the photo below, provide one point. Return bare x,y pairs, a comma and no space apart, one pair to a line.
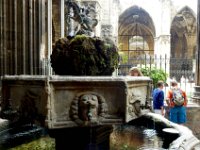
26,36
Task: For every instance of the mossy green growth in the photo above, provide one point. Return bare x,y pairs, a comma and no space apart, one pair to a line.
83,55
44,143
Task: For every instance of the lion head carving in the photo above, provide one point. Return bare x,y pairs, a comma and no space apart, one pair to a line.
87,108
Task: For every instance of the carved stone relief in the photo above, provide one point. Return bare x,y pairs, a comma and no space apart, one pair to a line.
106,30
134,105
27,109
88,108
136,102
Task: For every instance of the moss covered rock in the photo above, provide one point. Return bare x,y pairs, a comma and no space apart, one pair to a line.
83,55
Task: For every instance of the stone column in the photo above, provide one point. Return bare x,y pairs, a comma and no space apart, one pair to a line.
198,45
196,94
25,36
162,39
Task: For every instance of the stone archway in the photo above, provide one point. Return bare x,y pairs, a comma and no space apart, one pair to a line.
183,44
136,34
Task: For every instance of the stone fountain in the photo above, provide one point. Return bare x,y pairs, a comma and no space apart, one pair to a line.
69,106
79,105
80,111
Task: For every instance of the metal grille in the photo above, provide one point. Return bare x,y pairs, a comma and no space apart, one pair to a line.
183,70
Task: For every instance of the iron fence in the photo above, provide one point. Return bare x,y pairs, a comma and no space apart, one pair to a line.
181,69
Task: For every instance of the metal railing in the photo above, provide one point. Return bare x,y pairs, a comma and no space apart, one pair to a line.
183,70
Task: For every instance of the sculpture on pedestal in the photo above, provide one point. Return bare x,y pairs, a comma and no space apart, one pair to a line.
82,54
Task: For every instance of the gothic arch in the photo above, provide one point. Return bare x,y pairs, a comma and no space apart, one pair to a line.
133,15
183,34
183,9
136,34
183,41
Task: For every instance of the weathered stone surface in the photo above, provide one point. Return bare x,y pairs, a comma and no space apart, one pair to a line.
193,120
24,99
66,101
196,94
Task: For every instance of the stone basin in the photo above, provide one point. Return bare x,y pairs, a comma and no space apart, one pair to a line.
175,136
68,101
85,106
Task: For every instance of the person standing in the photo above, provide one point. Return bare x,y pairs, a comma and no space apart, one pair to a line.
134,71
158,99
177,103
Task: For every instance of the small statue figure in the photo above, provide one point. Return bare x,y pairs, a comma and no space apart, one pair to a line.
80,15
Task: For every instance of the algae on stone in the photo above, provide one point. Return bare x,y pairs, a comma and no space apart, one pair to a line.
83,55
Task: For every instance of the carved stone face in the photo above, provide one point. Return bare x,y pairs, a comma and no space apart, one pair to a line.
135,102
88,106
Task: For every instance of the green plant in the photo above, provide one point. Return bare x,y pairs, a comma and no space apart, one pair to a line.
123,57
155,74
43,143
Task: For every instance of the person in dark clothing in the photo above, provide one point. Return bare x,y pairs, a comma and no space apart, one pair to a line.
158,99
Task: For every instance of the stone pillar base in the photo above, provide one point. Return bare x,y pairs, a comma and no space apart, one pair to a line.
196,95
82,138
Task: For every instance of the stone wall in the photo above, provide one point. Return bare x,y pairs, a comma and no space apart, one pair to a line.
193,118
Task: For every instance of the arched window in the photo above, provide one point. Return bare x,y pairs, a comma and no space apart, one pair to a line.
183,43
135,37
